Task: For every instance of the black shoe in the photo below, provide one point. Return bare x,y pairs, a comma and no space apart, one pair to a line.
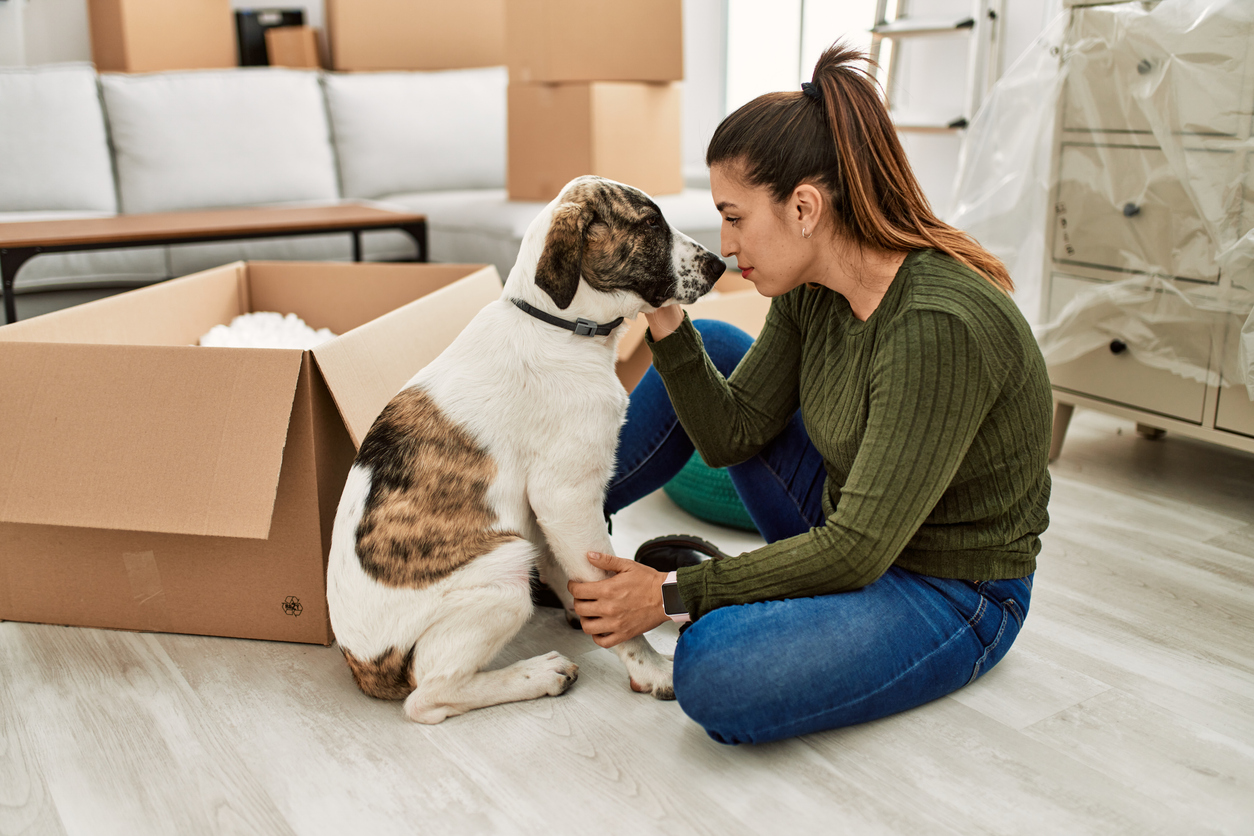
541,595
674,551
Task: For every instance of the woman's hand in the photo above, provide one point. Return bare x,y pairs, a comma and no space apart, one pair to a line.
624,605
664,321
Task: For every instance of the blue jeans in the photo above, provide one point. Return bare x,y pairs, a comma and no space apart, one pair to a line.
757,672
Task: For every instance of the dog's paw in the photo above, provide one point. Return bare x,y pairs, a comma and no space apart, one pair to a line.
656,680
553,672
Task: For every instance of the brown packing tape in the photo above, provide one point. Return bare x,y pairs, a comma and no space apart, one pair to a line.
147,591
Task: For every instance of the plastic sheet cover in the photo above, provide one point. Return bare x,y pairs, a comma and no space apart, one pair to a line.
1162,326
1160,140
1001,191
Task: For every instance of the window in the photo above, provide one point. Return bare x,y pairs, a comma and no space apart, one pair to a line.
774,44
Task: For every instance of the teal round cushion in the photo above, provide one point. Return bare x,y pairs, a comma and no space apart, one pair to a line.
707,493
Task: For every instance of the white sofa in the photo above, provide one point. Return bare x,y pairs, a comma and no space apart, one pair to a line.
79,144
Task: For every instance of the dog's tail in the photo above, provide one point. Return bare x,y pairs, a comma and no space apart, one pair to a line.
388,676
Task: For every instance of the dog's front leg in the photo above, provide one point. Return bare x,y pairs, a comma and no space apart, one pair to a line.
573,528
554,577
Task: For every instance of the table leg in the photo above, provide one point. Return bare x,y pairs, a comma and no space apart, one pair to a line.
418,232
356,245
11,260
1062,418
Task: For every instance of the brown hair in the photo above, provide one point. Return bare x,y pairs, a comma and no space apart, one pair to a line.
840,137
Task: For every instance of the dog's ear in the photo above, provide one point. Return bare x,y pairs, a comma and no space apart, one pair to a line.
558,270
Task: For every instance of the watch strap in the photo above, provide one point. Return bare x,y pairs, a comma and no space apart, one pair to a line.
681,617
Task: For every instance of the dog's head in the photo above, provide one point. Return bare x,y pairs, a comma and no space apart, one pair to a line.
612,238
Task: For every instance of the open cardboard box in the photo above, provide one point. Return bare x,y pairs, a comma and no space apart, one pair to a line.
147,483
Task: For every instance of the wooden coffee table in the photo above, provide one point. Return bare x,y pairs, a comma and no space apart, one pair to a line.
19,242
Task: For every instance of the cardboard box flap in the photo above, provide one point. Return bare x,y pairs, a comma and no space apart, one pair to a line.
175,439
367,366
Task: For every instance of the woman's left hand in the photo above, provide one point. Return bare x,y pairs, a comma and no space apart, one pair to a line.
626,604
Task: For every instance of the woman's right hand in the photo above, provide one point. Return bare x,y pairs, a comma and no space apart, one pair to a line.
664,321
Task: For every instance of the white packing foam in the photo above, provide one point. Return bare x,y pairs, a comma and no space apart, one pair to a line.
266,329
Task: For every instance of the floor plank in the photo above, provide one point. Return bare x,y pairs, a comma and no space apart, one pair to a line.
955,767
26,806
1160,756
120,734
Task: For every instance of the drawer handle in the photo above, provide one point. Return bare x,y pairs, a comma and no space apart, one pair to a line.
1131,210
1118,346
1144,66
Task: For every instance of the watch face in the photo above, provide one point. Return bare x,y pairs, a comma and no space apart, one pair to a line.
672,601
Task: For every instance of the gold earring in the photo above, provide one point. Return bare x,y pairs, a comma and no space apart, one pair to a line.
803,233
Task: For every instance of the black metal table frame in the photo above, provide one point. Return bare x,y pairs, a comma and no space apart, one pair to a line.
12,258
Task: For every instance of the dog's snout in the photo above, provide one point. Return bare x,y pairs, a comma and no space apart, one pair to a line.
696,273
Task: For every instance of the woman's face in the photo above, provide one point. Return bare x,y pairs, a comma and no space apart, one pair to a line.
766,242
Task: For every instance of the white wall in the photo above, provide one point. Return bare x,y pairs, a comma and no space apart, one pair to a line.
56,30
43,32
12,34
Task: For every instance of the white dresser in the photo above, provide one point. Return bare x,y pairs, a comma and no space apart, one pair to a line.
1152,189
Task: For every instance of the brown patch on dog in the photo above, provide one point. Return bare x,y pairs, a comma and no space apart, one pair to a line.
388,676
557,271
612,236
426,514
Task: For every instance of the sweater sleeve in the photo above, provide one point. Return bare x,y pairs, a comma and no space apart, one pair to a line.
930,391
731,419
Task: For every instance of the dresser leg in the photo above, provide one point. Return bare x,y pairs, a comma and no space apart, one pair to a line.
1062,418
1152,433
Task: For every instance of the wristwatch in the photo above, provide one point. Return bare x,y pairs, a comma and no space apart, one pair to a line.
672,601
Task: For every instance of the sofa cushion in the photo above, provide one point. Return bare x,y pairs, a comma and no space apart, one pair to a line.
217,138
52,141
418,131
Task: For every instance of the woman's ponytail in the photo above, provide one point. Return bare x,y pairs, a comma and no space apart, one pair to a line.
836,133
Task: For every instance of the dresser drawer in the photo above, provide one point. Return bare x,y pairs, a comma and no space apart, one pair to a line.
1111,373
1120,379
1192,76
1123,207
1236,411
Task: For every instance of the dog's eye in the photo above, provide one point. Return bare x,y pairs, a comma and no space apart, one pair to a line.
653,223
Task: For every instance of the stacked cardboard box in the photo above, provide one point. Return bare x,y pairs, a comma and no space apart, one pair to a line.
593,90
139,36
415,34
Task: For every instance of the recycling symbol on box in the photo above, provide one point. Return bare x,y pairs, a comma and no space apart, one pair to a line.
292,606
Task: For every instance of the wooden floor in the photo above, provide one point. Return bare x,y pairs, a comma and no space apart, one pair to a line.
1126,706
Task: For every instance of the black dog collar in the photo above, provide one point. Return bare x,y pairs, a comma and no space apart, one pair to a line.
582,327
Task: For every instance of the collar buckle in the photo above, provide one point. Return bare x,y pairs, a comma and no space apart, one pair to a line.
585,327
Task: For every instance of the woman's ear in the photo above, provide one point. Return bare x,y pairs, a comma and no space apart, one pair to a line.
808,206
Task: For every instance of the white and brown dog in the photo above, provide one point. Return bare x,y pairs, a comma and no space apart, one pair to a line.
495,457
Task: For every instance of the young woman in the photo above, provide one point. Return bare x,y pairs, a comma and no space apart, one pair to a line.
888,432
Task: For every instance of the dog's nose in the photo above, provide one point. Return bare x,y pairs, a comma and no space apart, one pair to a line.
715,266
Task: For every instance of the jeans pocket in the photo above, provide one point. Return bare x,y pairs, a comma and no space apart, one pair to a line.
1007,631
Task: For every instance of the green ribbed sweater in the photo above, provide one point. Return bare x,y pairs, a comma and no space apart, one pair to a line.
932,417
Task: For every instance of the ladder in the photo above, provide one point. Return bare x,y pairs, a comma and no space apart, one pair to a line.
981,26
